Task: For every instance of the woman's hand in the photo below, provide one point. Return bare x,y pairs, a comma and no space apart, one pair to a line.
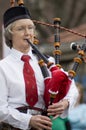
58,108
41,122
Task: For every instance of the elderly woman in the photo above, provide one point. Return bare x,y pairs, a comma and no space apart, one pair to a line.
17,93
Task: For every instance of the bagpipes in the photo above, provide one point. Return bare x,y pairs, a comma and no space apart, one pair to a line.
57,84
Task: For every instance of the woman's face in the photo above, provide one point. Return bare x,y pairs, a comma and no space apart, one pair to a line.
22,29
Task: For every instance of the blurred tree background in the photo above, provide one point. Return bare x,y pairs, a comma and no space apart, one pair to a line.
71,12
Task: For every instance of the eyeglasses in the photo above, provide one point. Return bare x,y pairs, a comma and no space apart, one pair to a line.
23,28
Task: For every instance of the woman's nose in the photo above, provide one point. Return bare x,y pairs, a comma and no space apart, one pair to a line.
27,31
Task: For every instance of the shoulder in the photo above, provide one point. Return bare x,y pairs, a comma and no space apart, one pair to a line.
51,59
4,61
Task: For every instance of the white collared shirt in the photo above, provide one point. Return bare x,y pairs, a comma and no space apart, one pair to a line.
12,89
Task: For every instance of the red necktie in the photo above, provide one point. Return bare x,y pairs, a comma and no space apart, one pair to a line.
30,82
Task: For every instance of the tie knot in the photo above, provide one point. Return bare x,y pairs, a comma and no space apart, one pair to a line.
25,58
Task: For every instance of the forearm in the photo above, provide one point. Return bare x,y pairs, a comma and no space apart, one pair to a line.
15,118
71,97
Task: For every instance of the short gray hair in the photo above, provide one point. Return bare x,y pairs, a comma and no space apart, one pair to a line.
8,35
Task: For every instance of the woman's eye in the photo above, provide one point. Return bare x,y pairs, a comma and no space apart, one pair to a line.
20,28
31,27
24,28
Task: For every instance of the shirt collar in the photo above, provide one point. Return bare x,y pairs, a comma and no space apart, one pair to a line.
17,54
